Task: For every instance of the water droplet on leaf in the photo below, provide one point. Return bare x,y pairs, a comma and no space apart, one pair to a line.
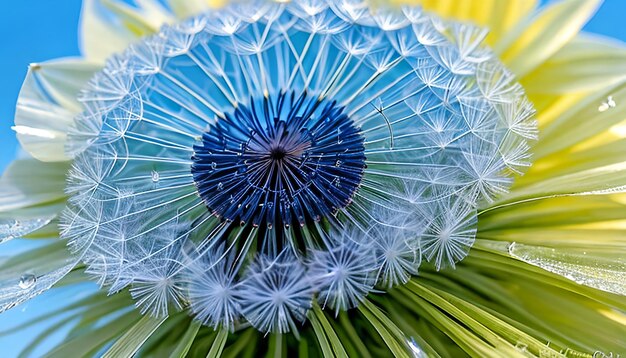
607,104
27,281
603,271
11,228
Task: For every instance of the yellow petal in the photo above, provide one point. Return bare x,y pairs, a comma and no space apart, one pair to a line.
583,120
533,41
554,212
601,154
496,15
604,271
47,105
588,63
596,181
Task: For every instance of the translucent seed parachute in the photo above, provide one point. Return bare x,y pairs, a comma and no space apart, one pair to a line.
251,161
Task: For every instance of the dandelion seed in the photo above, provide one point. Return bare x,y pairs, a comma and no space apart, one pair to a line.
213,289
344,273
275,294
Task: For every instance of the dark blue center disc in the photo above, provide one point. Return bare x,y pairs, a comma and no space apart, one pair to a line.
279,161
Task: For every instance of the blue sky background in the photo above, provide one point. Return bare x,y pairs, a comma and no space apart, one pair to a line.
38,30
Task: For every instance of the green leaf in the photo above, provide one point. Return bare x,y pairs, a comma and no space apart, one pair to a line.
218,344
128,344
545,302
393,337
245,340
276,347
88,342
43,268
330,333
476,319
354,336
183,346
467,340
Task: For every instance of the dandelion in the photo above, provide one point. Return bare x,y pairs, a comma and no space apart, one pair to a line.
355,176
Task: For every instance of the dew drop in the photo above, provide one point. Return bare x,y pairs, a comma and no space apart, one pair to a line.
416,350
607,104
338,163
606,272
220,186
522,347
11,228
155,176
213,165
511,248
27,281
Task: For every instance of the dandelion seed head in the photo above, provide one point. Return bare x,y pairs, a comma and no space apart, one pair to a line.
397,249
156,285
345,272
275,293
213,289
251,160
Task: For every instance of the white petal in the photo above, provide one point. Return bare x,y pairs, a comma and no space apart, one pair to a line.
186,8
109,26
99,35
25,276
28,182
47,105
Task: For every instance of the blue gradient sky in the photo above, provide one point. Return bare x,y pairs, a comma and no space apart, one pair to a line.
37,30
